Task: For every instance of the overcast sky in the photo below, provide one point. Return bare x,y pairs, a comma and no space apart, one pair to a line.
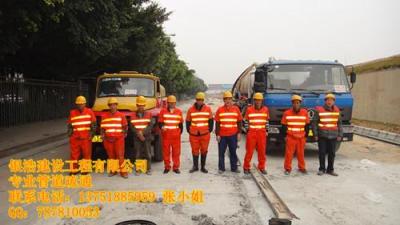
220,38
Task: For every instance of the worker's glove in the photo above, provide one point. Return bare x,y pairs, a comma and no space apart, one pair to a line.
140,136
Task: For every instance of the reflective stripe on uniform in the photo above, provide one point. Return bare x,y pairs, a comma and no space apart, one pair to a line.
81,123
329,113
257,126
297,123
295,129
228,114
199,124
228,120
329,120
257,114
113,130
111,125
296,117
112,119
257,121
80,117
200,114
200,119
172,121
228,125
171,116
327,125
140,120
81,128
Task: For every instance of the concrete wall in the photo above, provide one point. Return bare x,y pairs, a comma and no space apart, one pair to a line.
377,96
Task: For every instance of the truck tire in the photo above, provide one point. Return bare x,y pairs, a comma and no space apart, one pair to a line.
129,147
157,146
98,152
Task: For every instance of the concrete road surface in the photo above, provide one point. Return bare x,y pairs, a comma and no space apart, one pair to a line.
367,191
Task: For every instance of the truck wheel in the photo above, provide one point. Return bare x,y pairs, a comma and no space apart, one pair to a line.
158,152
338,146
129,147
98,152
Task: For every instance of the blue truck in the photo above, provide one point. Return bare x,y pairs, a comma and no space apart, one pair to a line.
280,79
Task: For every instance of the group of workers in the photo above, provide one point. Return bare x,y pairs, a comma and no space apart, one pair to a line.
199,123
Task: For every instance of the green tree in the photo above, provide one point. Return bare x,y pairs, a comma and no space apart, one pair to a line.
67,40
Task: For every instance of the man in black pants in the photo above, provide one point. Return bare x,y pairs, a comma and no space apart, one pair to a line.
327,129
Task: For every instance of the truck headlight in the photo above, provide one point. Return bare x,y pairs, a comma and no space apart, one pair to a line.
348,129
273,130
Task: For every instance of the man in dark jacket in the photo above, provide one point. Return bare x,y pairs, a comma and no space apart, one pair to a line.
141,125
327,130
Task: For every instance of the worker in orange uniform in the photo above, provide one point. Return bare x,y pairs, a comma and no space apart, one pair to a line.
171,124
228,121
256,122
141,126
113,131
328,131
295,123
81,128
199,125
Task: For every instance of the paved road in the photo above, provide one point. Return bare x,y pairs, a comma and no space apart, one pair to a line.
366,192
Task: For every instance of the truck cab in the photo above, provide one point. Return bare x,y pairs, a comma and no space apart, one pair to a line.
126,86
280,79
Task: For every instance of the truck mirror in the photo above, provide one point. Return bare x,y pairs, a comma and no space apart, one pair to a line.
158,87
353,77
259,76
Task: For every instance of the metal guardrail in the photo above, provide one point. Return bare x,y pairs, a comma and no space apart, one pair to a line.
29,100
380,135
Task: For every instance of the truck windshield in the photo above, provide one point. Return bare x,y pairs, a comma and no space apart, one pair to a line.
125,86
307,77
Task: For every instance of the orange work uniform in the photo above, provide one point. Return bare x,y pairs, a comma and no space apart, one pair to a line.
295,137
256,136
80,139
171,136
199,129
114,126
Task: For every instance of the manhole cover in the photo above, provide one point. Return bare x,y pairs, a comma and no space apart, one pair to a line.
136,222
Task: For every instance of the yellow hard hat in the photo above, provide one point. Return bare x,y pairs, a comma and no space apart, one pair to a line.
227,94
140,100
330,95
80,100
171,99
112,101
258,96
200,95
297,97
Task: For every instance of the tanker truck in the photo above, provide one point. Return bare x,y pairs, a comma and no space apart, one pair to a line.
278,80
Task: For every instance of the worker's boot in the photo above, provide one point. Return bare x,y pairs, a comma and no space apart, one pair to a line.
203,163
195,164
